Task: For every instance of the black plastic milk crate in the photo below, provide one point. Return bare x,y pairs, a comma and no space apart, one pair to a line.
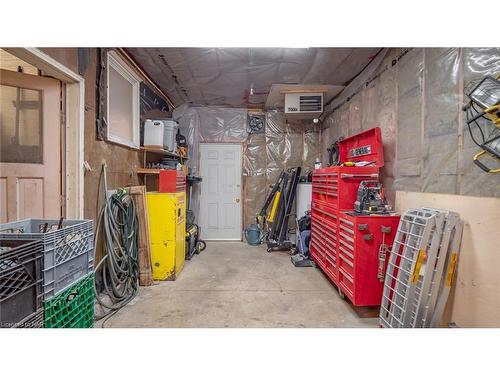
68,253
21,293
35,320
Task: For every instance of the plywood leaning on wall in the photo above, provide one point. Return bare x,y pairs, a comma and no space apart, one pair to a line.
138,194
475,297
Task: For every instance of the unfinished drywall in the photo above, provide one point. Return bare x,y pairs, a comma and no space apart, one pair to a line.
283,144
416,97
475,297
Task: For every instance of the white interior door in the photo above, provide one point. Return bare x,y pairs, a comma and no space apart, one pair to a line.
220,205
30,160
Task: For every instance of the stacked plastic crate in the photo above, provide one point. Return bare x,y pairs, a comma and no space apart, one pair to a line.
347,246
66,271
21,296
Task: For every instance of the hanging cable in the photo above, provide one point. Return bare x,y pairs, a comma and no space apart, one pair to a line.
119,266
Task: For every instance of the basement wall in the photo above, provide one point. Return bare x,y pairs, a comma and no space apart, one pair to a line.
122,162
283,144
475,298
416,97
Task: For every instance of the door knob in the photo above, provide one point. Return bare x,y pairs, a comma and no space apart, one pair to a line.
237,200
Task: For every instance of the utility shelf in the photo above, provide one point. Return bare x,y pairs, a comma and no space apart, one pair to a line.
161,151
148,171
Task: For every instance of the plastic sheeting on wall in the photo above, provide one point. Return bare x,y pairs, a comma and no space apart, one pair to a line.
222,124
419,97
284,144
373,106
409,114
441,120
254,176
290,143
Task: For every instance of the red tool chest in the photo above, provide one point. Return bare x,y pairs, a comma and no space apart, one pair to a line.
359,240
172,181
346,247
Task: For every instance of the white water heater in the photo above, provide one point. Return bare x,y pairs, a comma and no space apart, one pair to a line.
303,198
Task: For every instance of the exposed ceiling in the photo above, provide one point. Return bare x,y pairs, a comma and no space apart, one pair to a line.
242,77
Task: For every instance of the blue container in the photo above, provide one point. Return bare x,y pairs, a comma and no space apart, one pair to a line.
253,235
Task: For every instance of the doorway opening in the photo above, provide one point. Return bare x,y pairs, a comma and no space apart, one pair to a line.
220,199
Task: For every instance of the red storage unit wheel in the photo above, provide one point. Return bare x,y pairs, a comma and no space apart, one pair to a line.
172,181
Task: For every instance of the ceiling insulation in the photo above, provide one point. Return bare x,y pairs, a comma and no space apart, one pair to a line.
242,77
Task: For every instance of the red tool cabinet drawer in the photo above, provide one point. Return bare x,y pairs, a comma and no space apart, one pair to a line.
172,181
338,186
324,238
360,238
346,284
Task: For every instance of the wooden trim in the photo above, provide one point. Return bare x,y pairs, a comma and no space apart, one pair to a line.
46,63
138,195
75,117
148,171
117,63
160,151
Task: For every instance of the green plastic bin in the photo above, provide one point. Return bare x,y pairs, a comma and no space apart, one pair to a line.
73,307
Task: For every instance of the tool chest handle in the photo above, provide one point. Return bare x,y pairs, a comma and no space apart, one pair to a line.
364,175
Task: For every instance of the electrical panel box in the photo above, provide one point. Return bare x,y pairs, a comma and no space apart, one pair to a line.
167,232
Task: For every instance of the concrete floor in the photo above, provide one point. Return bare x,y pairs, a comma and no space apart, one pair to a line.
232,284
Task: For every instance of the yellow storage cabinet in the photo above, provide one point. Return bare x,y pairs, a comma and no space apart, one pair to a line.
167,231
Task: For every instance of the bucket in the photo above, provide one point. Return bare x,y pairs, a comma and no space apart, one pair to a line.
252,235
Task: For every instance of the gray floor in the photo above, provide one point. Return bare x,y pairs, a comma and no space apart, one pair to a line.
232,284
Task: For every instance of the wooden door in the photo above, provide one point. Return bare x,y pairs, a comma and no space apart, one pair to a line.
30,157
220,205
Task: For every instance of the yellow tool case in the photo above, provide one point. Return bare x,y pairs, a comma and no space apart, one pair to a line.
167,231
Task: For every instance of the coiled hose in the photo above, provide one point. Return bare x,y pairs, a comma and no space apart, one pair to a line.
119,267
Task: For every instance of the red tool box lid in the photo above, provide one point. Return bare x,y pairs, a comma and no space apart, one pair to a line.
365,146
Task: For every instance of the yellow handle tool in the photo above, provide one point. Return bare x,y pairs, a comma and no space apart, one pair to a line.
274,207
